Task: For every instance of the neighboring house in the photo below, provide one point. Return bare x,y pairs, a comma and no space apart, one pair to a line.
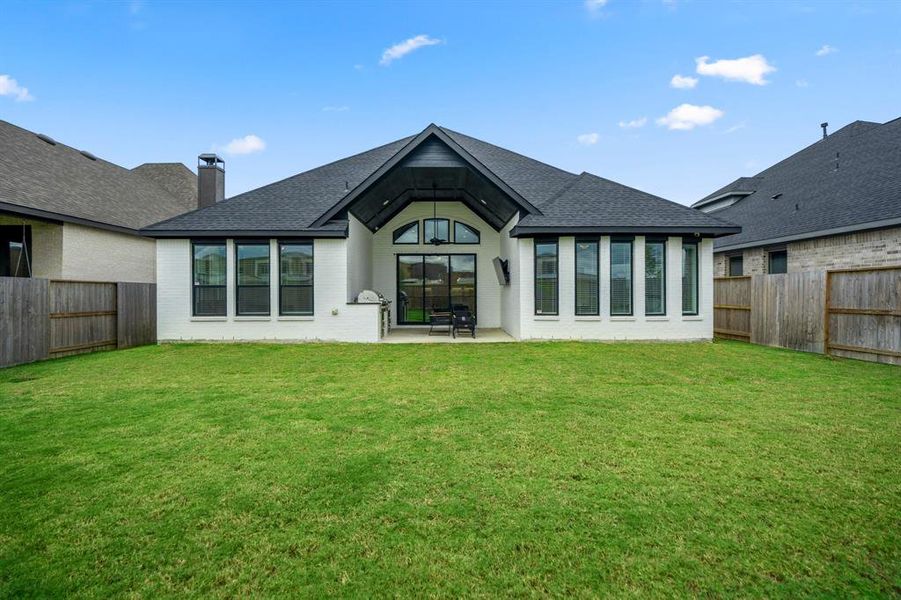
835,204
436,220
66,214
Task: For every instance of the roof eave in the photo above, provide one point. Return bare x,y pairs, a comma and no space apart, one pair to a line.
881,224
53,217
239,233
538,230
706,201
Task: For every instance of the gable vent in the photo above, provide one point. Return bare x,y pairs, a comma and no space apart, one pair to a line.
46,138
88,155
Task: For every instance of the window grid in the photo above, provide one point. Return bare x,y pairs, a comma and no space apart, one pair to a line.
546,277
655,278
621,277
295,278
689,278
252,272
208,279
588,268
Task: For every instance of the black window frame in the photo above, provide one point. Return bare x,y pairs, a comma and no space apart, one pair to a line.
769,260
631,242
729,260
597,243
477,233
436,219
311,285
402,230
237,244
697,287
194,285
450,287
650,242
556,243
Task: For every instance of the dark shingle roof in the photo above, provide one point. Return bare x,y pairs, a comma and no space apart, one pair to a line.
806,194
57,180
565,199
292,204
593,202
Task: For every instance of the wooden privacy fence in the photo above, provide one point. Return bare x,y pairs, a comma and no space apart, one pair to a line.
42,318
854,313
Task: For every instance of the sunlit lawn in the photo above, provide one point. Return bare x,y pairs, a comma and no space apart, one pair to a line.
523,469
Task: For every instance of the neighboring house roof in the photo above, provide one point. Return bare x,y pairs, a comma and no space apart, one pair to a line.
315,202
47,179
848,181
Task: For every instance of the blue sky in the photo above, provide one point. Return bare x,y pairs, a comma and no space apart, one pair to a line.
584,86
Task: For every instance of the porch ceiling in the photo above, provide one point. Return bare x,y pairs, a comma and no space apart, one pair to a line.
406,184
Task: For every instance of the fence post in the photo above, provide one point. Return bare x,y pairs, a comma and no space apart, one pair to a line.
827,305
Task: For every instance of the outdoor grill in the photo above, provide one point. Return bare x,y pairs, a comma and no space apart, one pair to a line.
373,297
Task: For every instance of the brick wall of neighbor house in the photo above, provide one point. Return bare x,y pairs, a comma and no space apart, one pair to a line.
861,249
566,325
99,255
46,246
384,256
333,319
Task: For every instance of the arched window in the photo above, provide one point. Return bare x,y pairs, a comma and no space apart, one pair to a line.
407,234
464,234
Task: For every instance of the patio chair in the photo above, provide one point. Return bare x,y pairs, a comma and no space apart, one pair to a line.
441,321
463,320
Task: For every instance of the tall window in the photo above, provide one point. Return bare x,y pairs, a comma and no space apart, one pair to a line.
295,280
435,229
620,277
736,266
15,250
545,277
464,234
208,267
407,234
778,261
252,289
655,277
587,277
689,278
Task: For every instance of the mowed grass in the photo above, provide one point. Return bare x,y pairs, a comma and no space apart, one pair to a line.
448,470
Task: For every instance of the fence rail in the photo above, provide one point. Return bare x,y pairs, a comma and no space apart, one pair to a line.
42,318
854,313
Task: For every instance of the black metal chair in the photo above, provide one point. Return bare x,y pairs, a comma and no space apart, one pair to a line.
442,321
463,320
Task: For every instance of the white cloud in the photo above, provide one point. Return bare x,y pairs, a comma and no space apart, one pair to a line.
634,123
245,145
11,87
342,108
683,83
588,139
594,6
750,69
802,83
405,47
689,116
826,49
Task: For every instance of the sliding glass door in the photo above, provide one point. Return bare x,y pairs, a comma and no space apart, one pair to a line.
428,283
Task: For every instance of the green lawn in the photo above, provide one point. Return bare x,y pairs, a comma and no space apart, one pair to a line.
524,469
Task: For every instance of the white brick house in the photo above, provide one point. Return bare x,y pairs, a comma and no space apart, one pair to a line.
437,223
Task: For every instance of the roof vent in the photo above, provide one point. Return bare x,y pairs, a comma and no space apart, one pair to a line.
46,138
776,196
824,126
88,155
